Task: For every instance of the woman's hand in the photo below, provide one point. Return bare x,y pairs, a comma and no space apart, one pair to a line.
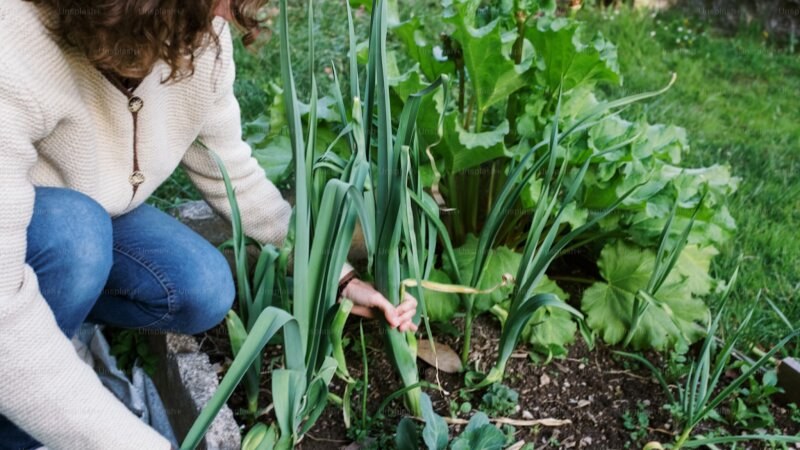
366,300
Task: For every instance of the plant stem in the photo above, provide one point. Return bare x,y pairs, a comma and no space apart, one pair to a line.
457,225
335,399
468,117
501,314
490,196
479,119
366,377
682,440
467,331
512,107
473,184
461,88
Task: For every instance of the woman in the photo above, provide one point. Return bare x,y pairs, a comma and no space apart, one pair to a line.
99,103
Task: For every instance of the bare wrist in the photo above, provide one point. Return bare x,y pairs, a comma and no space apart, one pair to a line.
344,281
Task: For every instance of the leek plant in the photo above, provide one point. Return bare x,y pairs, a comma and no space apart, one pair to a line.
400,238
299,389
319,238
254,293
253,299
263,322
405,239
702,393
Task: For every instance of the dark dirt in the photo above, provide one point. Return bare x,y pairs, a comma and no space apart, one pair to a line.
593,389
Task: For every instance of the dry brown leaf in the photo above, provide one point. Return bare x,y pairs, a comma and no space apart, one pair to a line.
444,358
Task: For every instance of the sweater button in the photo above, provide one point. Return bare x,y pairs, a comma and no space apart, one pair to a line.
136,178
135,104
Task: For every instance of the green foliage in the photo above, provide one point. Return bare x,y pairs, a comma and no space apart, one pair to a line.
435,434
129,348
673,316
702,393
731,97
563,56
507,62
480,48
499,401
272,150
322,230
260,437
441,306
750,408
513,67
794,413
407,437
550,330
499,261
637,423
479,434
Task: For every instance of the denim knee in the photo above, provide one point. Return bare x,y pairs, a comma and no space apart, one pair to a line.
70,248
205,294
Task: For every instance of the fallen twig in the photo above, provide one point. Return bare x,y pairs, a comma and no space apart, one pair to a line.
628,373
546,422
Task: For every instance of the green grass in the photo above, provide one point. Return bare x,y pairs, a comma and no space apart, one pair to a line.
259,65
738,99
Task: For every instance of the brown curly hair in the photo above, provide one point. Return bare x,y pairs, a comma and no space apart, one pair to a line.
127,37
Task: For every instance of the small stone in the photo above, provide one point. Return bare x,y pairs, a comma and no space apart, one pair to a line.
583,403
527,415
544,380
582,366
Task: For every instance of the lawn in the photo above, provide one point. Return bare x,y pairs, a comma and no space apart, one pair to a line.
737,96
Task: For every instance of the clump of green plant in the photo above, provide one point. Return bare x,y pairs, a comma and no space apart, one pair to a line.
749,407
794,413
130,347
478,434
702,392
462,403
636,422
499,401
545,240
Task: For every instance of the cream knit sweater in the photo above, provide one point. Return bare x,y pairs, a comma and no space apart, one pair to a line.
62,123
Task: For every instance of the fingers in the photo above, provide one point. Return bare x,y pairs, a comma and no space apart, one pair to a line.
408,326
363,311
409,304
407,322
366,299
407,310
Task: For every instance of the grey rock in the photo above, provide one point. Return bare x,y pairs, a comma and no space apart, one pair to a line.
186,381
199,216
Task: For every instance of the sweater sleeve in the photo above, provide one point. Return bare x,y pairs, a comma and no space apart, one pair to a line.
46,389
265,213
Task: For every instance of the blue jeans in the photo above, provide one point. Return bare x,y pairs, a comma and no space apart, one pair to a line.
142,270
